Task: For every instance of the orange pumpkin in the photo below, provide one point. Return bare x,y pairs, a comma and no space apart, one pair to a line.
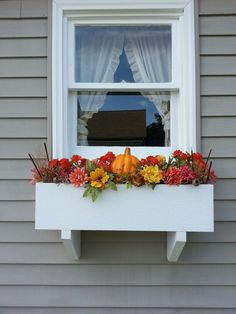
125,163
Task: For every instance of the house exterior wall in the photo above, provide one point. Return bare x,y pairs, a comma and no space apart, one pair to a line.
119,272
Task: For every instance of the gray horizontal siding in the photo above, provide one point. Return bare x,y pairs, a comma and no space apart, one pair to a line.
23,8
218,85
218,65
118,275
221,147
33,67
218,112
23,28
218,25
225,210
219,7
109,310
218,106
17,211
23,128
225,168
16,190
218,45
23,107
150,253
127,296
9,151
225,189
15,169
217,126
18,87
26,47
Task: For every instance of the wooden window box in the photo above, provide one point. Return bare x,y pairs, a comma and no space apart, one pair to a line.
174,209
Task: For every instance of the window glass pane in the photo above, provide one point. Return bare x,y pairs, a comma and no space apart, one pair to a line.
123,119
112,54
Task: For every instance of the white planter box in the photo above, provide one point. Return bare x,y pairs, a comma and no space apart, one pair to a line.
175,209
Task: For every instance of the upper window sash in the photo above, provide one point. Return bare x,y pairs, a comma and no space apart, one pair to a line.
173,85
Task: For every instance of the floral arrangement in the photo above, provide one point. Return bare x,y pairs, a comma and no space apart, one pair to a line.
109,170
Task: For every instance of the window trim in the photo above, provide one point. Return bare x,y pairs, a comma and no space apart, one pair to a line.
69,9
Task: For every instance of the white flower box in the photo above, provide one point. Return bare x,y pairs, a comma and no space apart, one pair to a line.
175,209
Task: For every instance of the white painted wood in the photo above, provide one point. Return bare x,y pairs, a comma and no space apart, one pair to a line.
174,209
162,87
182,15
139,4
71,241
166,208
175,244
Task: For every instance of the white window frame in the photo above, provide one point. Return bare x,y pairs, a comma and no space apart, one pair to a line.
183,85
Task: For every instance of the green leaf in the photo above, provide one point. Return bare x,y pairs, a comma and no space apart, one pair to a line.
94,194
112,186
90,166
87,191
129,185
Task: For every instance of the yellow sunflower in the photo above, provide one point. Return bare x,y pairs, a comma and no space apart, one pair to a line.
98,178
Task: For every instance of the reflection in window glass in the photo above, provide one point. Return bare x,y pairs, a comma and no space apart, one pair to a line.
123,119
140,54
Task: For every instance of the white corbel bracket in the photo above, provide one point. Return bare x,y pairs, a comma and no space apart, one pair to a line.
72,243
175,244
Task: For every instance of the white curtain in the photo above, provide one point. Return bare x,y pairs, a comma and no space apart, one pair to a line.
98,55
149,56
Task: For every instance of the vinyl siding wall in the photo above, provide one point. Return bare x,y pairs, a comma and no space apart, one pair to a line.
118,272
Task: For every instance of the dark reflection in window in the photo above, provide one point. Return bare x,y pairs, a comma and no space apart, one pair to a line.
122,119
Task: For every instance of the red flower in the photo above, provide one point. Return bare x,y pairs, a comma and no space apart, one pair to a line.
179,154
78,160
53,163
143,162
152,160
75,158
172,176
64,163
108,157
105,161
196,156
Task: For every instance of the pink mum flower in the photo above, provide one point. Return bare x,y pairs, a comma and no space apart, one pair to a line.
187,175
78,177
172,176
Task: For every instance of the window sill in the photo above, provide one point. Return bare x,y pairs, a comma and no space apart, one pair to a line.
174,209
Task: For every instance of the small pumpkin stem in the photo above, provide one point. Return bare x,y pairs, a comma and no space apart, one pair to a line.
127,151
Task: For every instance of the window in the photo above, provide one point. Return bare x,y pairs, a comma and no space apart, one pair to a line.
123,77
